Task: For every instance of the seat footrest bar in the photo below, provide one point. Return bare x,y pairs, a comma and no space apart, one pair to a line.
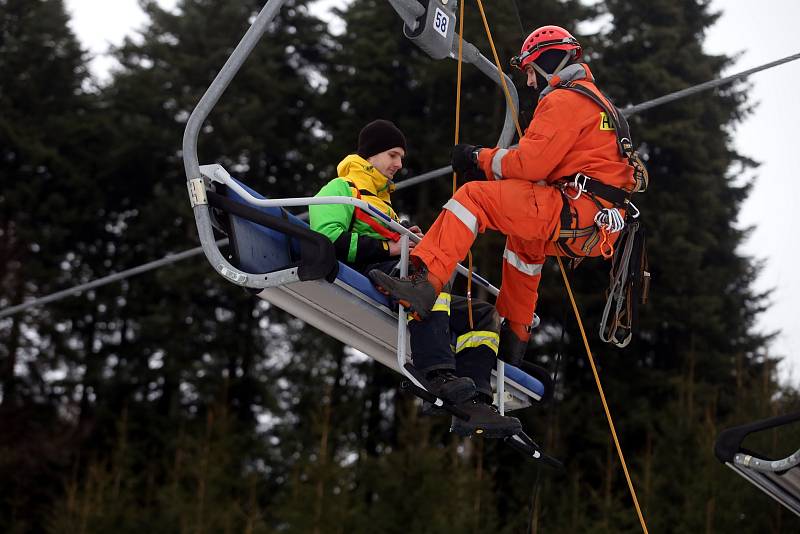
524,444
430,397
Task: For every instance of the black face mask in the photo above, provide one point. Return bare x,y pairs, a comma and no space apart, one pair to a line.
549,61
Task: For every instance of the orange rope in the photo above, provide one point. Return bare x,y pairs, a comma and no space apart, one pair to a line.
602,396
458,123
458,82
500,70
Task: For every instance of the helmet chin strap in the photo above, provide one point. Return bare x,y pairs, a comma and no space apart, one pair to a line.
547,76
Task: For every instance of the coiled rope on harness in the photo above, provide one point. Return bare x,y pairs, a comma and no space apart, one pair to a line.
628,287
571,298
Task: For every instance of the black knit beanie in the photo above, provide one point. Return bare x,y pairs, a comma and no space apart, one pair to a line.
379,136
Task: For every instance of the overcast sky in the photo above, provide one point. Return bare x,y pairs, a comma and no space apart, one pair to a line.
761,32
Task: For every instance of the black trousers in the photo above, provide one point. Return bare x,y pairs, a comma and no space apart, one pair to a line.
445,340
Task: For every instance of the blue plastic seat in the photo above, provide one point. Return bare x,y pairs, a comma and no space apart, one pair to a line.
260,250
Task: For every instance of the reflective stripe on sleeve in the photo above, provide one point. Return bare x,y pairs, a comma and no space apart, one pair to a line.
531,269
463,214
497,163
476,338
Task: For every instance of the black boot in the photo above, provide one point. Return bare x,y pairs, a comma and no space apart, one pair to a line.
513,342
417,292
431,410
449,387
484,420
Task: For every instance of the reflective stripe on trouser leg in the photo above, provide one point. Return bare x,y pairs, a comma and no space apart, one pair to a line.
522,268
430,339
463,214
442,303
478,354
477,338
514,207
531,269
448,240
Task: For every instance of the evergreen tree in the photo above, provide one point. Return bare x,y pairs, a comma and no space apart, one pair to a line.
672,389
51,129
177,402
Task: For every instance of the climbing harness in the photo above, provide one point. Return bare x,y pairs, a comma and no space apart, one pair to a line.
629,275
622,131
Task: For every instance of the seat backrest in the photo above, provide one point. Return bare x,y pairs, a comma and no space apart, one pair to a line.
258,249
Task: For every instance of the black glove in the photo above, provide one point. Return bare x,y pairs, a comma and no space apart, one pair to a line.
465,162
512,348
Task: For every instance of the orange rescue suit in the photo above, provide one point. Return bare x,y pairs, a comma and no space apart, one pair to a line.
569,133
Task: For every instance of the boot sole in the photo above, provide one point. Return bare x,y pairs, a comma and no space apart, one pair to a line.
430,409
458,396
485,431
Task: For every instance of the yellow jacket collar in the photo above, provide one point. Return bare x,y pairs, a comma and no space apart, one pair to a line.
364,175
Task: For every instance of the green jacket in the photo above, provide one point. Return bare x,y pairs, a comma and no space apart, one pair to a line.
355,242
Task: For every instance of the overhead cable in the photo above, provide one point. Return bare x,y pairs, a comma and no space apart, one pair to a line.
172,258
115,277
683,93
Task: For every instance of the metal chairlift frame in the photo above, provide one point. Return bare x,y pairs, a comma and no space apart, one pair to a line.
780,479
331,305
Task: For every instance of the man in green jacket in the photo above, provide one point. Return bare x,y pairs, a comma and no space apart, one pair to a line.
457,359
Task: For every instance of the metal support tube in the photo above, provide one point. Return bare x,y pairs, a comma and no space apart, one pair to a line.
501,386
402,321
194,124
409,11
221,82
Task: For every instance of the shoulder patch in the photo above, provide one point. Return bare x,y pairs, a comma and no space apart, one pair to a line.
605,122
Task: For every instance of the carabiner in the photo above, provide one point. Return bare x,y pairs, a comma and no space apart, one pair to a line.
576,185
606,248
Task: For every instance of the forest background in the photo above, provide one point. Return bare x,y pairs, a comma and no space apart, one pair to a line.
174,402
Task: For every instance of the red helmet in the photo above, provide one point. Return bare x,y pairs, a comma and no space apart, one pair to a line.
545,38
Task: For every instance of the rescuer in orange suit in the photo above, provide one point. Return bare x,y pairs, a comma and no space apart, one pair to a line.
563,191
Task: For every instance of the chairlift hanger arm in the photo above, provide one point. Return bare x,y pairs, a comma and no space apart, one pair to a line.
212,96
192,132
432,28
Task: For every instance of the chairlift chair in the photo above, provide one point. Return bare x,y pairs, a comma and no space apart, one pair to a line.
780,479
276,256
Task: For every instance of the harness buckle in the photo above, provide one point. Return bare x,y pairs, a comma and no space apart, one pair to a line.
578,184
